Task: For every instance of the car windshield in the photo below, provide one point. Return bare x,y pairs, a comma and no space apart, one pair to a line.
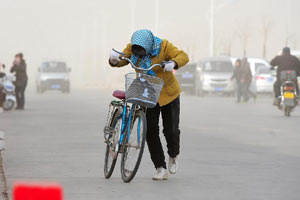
217,66
54,67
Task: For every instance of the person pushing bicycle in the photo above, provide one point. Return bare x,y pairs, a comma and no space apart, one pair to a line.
145,50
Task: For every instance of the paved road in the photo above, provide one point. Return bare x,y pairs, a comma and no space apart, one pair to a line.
229,151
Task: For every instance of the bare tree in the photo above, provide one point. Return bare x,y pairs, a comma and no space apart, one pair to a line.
266,31
230,40
223,43
244,33
294,43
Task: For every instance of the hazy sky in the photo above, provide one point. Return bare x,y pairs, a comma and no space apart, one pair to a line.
82,32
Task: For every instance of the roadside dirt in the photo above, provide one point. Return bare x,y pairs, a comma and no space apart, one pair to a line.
3,185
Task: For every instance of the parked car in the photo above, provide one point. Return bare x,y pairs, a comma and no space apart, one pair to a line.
53,75
265,78
187,77
214,76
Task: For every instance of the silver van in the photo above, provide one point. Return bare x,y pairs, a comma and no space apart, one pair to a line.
53,75
214,76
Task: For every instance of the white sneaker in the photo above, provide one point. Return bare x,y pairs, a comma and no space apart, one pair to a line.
173,165
161,174
1,109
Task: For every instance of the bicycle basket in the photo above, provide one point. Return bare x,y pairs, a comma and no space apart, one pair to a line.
142,89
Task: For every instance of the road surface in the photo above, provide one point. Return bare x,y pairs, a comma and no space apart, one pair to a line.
229,151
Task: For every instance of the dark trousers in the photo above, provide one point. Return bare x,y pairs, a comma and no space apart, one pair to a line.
250,93
20,95
277,85
239,92
2,97
242,92
170,116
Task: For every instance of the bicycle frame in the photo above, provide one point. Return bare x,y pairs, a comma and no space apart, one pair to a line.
126,122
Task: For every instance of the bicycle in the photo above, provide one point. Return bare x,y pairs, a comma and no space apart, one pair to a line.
126,125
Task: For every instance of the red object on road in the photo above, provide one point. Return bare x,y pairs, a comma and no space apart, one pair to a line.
37,191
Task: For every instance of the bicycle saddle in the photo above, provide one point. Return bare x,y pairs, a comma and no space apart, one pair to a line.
119,94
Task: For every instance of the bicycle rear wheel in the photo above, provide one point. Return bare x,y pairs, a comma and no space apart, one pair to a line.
134,147
111,152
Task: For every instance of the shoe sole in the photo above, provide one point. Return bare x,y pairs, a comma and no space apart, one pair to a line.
163,179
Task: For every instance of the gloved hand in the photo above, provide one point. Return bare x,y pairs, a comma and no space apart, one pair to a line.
169,66
114,58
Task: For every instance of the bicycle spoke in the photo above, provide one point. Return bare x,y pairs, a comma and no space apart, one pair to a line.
133,146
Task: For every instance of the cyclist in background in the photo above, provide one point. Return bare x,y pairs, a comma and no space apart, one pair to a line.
284,62
145,50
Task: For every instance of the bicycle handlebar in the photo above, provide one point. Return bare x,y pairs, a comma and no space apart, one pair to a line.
140,68
122,57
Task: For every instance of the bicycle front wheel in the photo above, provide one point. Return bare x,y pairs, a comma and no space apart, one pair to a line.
134,146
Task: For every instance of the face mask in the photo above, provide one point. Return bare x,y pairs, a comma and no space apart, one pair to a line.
138,50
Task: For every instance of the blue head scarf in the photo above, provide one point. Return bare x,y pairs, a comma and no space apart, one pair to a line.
150,43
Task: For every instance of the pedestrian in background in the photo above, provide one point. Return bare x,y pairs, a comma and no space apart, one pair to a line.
246,79
2,67
237,76
2,95
19,68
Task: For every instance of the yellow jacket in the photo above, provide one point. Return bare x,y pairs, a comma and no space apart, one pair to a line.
171,88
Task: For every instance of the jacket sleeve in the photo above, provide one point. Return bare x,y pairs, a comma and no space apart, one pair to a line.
274,62
128,53
176,55
18,68
298,66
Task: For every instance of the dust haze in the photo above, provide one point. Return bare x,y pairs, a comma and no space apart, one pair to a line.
82,32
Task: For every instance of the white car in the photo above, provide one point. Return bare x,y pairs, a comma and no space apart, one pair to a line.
265,79
53,75
214,76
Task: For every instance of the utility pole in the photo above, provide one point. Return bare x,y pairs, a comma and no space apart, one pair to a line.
156,25
288,23
211,27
